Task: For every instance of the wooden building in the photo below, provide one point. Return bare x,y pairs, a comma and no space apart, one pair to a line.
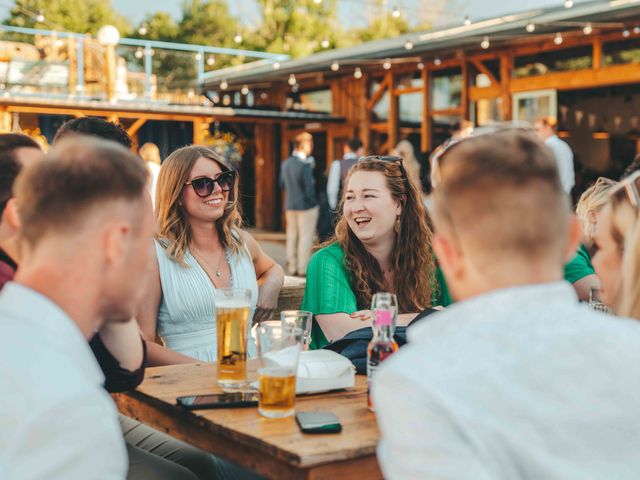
579,64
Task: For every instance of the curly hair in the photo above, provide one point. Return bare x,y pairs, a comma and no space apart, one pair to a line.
97,127
173,227
412,258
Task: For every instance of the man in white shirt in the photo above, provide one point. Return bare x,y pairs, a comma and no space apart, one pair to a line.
517,380
87,225
353,150
545,128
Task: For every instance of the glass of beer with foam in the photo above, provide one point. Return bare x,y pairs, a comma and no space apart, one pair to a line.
278,353
232,321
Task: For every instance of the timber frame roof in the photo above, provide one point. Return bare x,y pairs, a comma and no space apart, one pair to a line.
610,14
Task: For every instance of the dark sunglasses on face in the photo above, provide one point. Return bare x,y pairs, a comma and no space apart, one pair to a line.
204,186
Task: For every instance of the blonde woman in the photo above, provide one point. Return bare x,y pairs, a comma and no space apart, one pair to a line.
617,260
579,270
200,247
404,150
150,153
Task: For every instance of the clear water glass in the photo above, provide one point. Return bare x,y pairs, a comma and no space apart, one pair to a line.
595,300
299,319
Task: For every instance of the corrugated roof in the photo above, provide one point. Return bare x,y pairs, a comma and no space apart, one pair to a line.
438,41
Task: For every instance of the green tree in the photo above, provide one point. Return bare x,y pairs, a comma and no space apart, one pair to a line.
86,16
297,28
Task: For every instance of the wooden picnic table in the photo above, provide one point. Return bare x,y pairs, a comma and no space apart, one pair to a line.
275,448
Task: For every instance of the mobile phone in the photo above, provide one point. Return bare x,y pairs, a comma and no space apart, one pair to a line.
318,422
219,400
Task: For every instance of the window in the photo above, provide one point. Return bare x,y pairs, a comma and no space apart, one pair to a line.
543,63
446,88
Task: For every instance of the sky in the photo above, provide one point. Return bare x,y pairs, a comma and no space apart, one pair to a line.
349,10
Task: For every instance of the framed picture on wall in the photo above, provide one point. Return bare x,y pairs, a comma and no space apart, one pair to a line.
527,106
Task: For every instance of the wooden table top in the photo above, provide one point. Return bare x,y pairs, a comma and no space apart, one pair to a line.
275,448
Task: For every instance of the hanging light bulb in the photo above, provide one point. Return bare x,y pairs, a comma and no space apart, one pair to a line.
557,39
636,30
143,30
335,66
292,80
325,43
276,65
467,20
587,29
215,98
357,73
485,42
224,85
238,38
226,100
198,57
211,60
191,93
420,66
568,3
387,64
626,33
531,27
408,45
317,2
40,17
395,13
244,90
437,61
139,53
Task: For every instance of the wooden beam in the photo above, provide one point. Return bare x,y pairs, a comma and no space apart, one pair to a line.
380,127
393,112
133,129
506,69
481,93
448,111
483,69
597,54
425,127
587,78
378,94
113,118
200,127
402,91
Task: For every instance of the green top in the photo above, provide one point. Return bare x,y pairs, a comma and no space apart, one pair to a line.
579,266
329,291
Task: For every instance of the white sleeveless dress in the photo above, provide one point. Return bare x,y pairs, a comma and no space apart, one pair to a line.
187,314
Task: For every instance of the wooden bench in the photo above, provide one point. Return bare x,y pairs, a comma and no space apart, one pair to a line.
290,297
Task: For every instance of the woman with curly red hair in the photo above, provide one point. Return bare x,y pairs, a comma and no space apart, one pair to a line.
382,243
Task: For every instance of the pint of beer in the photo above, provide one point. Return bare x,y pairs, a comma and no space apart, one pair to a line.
232,319
279,350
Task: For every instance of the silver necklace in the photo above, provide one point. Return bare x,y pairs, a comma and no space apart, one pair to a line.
217,269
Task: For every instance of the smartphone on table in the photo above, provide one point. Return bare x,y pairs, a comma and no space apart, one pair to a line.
318,422
219,400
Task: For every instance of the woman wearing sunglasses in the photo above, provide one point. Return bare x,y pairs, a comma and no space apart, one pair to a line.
617,239
200,247
382,243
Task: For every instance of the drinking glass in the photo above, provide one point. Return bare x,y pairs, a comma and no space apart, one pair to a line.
278,354
595,300
299,319
232,321
386,301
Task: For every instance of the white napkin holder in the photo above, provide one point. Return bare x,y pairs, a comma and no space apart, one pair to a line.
324,370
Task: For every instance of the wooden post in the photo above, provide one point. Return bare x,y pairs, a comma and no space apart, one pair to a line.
5,120
425,127
200,128
265,176
464,94
505,85
597,53
392,122
111,69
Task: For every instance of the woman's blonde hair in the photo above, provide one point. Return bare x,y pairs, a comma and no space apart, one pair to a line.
625,230
149,152
412,258
593,199
172,219
404,149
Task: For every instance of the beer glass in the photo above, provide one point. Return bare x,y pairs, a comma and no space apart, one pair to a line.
232,318
278,353
386,301
299,319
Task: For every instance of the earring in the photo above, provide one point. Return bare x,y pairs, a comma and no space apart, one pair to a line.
396,227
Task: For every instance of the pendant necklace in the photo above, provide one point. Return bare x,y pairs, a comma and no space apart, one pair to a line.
218,273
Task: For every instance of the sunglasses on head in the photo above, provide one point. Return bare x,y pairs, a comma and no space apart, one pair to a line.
629,188
386,158
204,186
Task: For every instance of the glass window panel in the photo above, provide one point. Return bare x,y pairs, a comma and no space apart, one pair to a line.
410,108
446,91
543,63
619,53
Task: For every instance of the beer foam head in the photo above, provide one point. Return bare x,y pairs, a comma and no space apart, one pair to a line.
231,303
